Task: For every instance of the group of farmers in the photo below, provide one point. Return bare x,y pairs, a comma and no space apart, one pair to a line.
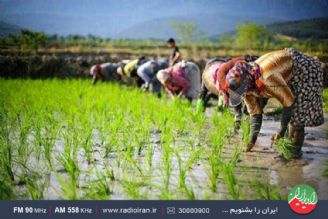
179,78
293,78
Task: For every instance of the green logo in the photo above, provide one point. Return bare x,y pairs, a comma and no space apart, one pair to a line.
302,199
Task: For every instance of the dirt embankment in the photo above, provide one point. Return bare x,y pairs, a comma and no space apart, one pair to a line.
68,65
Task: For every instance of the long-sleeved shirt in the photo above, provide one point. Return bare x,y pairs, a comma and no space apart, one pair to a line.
148,70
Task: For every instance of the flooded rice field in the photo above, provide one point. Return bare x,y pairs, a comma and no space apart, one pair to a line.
62,140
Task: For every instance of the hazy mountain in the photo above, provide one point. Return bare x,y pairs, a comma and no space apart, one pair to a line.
6,29
207,25
310,28
128,18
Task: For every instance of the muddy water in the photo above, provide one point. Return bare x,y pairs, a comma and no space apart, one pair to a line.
308,170
258,165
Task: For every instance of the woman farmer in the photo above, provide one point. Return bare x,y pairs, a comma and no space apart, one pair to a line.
128,70
147,72
210,85
182,80
294,79
104,72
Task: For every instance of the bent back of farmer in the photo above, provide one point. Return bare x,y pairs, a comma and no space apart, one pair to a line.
183,80
147,72
293,78
104,72
193,75
128,71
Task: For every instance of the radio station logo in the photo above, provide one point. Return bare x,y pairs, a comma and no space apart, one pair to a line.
302,199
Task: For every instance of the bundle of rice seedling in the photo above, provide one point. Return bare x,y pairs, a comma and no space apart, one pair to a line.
286,148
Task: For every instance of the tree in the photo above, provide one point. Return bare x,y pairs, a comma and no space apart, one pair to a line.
32,40
186,31
250,36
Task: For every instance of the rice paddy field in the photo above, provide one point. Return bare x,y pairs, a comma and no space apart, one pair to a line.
67,139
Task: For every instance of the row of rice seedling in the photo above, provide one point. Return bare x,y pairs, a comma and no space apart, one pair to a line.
108,141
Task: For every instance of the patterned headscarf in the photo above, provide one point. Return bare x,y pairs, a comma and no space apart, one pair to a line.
241,78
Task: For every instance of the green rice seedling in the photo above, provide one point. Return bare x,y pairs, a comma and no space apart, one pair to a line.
228,176
71,166
6,173
23,147
167,158
182,172
68,190
112,136
69,162
99,189
214,170
49,142
6,145
110,174
35,185
38,138
183,168
6,159
131,160
166,168
85,138
286,148
266,191
229,179
214,158
133,188
6,187
149,156
325,172
245,126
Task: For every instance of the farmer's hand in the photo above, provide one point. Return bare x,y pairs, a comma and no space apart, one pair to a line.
236,126
275,137
249,147
145,86
181,94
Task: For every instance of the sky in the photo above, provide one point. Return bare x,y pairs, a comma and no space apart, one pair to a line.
114,18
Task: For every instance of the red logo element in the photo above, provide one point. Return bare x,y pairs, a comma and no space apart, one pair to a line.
302,199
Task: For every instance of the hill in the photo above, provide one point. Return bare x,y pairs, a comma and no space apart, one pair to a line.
207,25
7,29
316,28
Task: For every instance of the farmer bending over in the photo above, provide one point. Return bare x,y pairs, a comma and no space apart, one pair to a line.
182,80
147,72
104,72
211,88
294,79
128,71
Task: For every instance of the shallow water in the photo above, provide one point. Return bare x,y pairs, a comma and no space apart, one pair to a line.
260,165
